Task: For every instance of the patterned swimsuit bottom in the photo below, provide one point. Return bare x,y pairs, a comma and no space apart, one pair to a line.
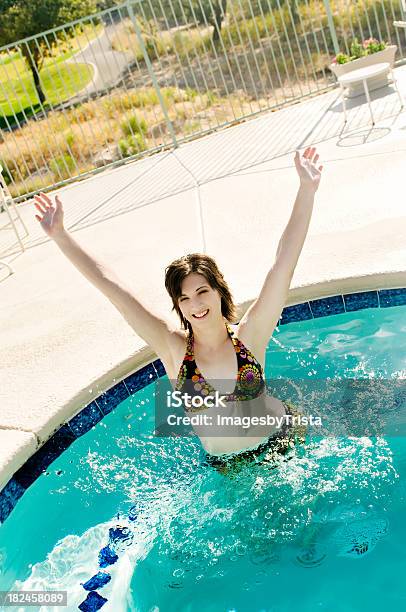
278,443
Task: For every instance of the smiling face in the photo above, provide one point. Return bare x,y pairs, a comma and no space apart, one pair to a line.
198,301
195,285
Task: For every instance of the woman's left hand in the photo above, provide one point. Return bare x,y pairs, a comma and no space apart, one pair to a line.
307,169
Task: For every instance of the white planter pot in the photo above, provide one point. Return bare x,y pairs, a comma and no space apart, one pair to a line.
356,89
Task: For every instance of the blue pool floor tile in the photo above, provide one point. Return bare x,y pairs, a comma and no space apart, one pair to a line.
97,581
93,602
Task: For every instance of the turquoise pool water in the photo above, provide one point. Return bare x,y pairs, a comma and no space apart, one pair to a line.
322,531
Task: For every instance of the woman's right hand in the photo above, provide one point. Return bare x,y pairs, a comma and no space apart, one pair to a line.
52,214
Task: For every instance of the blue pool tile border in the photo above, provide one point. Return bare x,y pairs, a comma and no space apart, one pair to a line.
108,400
325,307
141,378
298,312
44,456
94,412
392,297
358,301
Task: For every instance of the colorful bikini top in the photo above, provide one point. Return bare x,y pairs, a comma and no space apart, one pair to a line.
249,384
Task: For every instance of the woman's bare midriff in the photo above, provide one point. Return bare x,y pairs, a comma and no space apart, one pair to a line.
245,439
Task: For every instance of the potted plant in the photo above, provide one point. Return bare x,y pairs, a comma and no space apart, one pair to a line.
370,51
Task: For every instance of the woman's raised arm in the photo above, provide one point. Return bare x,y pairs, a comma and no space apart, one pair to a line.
154,330
262,316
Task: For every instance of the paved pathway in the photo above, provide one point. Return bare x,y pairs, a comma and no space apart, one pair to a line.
108,64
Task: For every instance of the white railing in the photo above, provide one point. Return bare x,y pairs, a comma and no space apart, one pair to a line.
150,74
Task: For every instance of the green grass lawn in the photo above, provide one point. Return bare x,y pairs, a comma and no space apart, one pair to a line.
6,58
60,80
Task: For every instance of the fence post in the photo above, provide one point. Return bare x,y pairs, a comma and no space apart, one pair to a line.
152,74
331,26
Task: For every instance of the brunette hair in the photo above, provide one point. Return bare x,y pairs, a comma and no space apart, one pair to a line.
177,271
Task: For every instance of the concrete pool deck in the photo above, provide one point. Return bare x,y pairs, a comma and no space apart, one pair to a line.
63,343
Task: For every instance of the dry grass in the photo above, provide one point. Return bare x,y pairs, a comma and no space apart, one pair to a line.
66,143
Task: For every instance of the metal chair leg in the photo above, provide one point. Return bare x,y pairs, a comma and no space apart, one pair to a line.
364,81
397,89
343,101
8,210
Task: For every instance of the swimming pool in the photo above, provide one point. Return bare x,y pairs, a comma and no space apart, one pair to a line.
191,539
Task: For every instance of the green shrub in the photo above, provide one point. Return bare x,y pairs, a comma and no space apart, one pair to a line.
173,94
191,93
145,97
341,58
191,126
62,166
187,44
356,50
134,125
132,145
152,40
7,173
69,139
138,98
212,98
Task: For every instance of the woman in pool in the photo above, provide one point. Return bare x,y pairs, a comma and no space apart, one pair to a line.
206,343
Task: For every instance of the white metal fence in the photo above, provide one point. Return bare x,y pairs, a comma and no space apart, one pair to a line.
150,74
